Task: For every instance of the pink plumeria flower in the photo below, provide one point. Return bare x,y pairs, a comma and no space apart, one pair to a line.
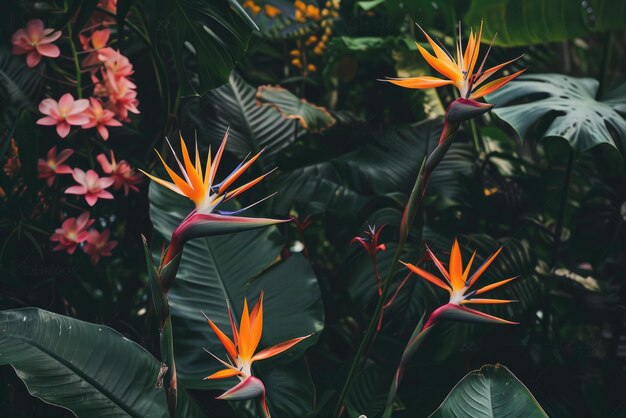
115,63
122,95
98,245
64,113
90,185
72,232
35,41
100,118
122,173
53,165
97,41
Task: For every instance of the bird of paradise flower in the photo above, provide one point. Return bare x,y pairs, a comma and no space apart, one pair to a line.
241,353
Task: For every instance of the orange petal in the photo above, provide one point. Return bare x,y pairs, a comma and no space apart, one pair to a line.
198,163
277,349
234,176
489,72
494,85
475,51
424,82
196,180
468,267
226,342
439,52
218,157
440,266
494,285
448,70
487,301
483,267
223,374
246,186
244,332
468,51
182,184
428,276
164,183
207,171
256,324
233,327
456,266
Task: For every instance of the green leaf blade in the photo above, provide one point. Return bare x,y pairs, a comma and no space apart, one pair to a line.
491,392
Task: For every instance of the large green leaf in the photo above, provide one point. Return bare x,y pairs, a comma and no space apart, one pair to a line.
491,392
252,127
87,368
311,117
215,34
387,165
566,106
228,268
526,22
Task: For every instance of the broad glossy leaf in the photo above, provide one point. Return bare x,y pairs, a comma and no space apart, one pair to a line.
567,105
311,117
89,369
215,34
385,166
526,22
226,268
491,392
252,127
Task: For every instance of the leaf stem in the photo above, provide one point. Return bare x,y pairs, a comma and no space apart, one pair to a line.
419,189
79,90
607,54
558,230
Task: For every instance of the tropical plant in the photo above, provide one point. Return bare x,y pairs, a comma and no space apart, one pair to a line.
232,209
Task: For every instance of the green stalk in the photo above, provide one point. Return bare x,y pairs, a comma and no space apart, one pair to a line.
605,63
415,199
420,332
459,111
79,90
558,230
159,287
479,144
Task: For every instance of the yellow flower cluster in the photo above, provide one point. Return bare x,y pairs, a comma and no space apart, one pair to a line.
255,9
316,43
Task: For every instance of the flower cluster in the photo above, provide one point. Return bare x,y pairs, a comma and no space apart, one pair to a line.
91,186
74,232
113,96
315,43
255,9
313,40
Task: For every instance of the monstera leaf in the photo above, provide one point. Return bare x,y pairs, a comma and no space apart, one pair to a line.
215,34
567,105
526,22
87,368
491,392
311,117
252,128
224,269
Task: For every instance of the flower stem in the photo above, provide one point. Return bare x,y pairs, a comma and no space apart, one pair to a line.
558,230
79,90
420,332
159,288
419,189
